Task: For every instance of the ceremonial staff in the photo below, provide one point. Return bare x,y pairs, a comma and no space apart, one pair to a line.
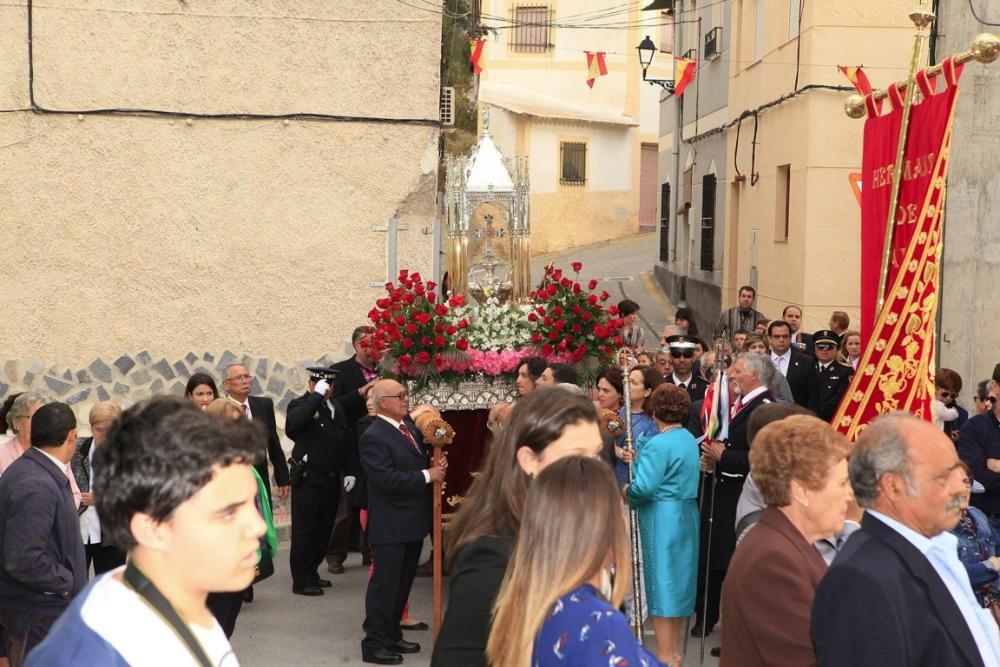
718,369
627,362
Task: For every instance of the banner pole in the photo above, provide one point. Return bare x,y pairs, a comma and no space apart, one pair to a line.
921,19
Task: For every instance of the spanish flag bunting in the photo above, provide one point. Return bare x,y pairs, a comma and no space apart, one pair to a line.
858,79
683,74
476,54
595,66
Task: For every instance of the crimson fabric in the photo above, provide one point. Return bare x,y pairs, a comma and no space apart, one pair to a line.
466,453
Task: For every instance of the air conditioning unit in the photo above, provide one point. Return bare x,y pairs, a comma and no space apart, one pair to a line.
448,105
713,43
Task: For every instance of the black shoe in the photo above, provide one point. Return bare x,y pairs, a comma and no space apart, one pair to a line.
335,568
403,646
381,656
311,590
248,594
420,625
716,652
696,630
323,583
366,557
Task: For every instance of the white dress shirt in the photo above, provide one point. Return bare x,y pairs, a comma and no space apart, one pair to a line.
941,551
90,524
782,361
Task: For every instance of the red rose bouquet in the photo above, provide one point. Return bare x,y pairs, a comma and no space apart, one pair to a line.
573,321
415,335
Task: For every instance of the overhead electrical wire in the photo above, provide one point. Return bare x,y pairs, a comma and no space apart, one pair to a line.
975,15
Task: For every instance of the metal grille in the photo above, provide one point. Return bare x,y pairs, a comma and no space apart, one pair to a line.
713,43
708,222
532,27
448,105
574,163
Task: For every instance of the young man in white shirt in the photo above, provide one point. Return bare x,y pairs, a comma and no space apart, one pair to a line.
174,487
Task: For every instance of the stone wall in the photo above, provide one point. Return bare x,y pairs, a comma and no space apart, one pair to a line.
130,378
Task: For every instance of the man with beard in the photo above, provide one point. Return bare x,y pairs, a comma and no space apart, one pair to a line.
742,316
729,462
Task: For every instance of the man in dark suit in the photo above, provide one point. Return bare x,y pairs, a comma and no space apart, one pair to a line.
260,409
802,342
399,518
978,442
354,379
897,594
729,461
681,348
832,377
323,451
43,563
797,367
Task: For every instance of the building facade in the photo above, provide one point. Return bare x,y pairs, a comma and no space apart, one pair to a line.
969,322
692,216
592,151
793,221
142,246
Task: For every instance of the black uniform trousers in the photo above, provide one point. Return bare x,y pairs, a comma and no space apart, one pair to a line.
388,590
104,556
314,508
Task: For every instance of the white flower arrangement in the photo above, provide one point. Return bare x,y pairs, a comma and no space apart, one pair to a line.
495,326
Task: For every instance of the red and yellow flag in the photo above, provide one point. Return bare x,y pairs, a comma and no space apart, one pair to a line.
858,78
896,370
595,66
683,74
476,54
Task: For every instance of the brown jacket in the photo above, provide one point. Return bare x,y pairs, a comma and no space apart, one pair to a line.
768,596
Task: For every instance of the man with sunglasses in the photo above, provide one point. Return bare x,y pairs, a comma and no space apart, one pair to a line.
681,349
832,377
399,518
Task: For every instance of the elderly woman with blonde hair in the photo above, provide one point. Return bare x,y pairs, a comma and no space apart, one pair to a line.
800,466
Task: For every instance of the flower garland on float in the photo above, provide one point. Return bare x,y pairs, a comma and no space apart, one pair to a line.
420,339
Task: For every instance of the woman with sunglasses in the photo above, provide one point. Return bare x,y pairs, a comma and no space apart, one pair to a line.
984,400
559,601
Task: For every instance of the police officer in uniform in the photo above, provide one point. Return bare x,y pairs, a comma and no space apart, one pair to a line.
832,377
319,426
681,348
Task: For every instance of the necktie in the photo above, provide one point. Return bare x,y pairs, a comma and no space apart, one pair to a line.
682,385
405,431
246,409
736,407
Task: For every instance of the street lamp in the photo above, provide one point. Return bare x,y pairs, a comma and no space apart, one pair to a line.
647,49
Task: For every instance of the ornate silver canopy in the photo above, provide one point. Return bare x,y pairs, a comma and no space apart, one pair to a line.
485,176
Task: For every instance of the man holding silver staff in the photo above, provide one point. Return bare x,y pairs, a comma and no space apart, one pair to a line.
728,462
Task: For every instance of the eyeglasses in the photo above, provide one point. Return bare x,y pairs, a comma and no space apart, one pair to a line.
826,346
402,396
677,354
947,394
239,378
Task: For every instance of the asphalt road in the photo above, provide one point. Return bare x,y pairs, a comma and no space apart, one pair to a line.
280,628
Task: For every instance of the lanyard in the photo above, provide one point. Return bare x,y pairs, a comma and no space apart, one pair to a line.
154,598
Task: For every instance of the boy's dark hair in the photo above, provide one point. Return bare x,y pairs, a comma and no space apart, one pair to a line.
536,366
159,454
564,373
50,425
627,307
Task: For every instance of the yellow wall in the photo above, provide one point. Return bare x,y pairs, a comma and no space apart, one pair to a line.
817,267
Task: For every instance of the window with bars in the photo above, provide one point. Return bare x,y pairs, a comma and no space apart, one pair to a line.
532,28
573,157
708,222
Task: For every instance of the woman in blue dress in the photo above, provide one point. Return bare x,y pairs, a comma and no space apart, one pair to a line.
665,490
558,605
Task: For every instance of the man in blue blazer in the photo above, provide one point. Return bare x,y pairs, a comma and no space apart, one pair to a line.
897,594
399,476
43,563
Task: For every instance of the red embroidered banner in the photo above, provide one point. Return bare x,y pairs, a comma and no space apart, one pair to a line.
896,368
